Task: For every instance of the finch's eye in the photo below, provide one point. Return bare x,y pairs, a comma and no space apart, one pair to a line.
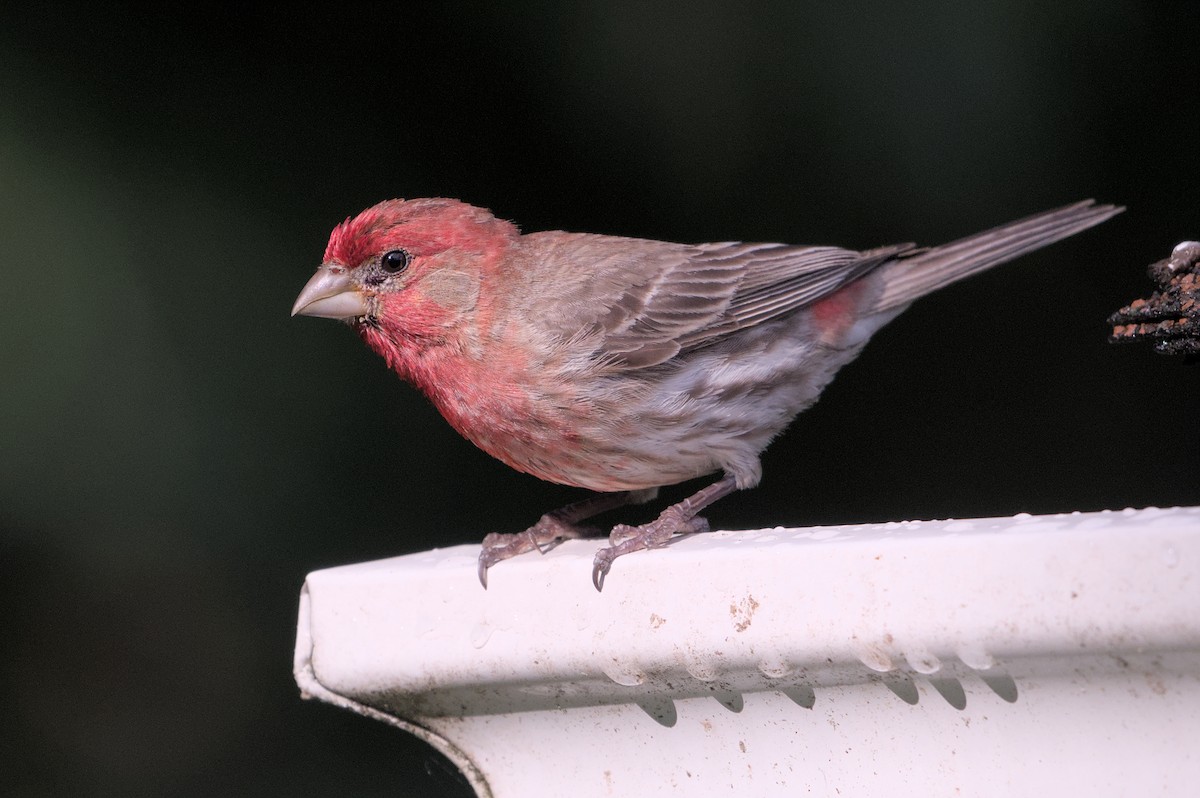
395,261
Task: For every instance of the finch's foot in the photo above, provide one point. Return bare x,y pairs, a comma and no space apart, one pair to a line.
657,533
678,519
547,533
553,528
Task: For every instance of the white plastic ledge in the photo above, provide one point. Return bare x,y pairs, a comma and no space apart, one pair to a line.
1012,656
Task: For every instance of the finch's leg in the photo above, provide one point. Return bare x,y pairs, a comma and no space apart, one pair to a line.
678,519
561,524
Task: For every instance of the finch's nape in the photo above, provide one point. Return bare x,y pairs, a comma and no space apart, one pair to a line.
622,365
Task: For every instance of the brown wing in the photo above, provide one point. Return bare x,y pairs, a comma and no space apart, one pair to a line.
650,300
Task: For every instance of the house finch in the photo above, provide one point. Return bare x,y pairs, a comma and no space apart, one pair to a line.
622,365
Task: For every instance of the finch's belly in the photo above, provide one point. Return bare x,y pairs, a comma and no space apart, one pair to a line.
635,460
714,410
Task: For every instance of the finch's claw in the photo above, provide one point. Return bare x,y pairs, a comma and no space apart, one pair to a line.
600,567
626,539
542,537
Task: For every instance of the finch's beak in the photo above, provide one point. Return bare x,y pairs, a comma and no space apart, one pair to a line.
330,295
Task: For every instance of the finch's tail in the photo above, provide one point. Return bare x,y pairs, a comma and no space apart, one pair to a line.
911,277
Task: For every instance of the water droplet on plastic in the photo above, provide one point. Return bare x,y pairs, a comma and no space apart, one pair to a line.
976,658
875,659
774,669
625,675
828,533
924,662
481,633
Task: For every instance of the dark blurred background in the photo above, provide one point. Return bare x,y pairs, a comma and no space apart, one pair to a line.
176,453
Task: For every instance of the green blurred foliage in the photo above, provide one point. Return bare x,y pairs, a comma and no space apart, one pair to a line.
176,453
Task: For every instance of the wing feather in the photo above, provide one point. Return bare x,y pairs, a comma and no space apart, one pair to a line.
646,300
